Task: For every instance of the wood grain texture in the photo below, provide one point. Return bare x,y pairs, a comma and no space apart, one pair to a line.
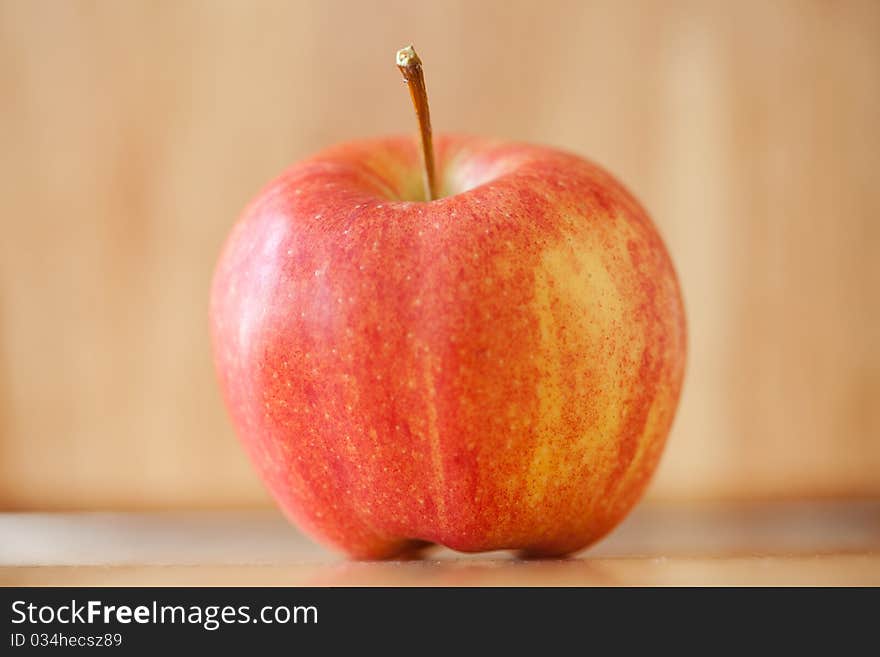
133,133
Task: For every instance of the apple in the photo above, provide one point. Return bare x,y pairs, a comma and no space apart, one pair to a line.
497,368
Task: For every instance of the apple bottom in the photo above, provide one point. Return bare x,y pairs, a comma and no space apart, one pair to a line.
558,528
379,548
406,549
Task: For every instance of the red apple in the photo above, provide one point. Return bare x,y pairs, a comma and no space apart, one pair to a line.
495,369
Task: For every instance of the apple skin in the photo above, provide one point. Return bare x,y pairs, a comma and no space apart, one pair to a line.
495,369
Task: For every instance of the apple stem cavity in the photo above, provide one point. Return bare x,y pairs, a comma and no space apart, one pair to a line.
414,77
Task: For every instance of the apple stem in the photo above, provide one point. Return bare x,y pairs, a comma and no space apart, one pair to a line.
411,67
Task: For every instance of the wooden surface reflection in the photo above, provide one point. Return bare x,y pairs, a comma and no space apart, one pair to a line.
782,544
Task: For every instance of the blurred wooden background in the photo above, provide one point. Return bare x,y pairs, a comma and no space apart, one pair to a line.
132,133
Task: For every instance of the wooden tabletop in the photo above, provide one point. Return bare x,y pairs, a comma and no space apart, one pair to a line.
828,543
